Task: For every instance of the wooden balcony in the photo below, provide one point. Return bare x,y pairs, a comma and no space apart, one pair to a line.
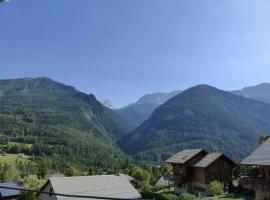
254,184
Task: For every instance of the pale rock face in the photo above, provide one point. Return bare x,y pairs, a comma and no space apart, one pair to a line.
107,103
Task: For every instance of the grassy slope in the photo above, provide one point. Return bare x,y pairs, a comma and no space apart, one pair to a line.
11,159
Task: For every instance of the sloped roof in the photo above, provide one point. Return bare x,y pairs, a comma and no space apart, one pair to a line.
208,159
184,156
261,155
129,178
7,193
102,186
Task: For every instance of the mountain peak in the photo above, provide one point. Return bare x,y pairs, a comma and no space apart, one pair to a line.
138,112
42,84
200,117
107,103
203,86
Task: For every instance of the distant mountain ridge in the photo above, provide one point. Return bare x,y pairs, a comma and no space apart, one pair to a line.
68,126
137,113
259,92
158,97
140,111
74,128
200,117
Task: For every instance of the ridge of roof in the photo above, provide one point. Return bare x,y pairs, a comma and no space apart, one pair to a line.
104,175
184,156
208,159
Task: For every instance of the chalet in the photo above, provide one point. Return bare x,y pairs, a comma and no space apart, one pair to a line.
108,186
194,169
8,194
260,183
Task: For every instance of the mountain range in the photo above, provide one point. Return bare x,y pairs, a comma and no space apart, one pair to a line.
137,113
200,117
68,126
45,118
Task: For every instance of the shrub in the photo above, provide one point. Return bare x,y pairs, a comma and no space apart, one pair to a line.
147,192
216,188
72,171
10,174
141,175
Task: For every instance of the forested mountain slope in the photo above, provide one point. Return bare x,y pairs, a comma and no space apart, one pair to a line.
200,117
58,121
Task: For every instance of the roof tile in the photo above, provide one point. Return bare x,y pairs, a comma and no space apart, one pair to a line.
184,156
101,186
261,155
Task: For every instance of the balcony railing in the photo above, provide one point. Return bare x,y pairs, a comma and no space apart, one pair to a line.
254,184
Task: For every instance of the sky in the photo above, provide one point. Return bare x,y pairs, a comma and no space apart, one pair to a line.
123,49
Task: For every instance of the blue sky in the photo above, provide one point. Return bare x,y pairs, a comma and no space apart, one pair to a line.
122,49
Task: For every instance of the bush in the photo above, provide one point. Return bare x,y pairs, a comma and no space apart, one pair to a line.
42,171
9,173
147,192
72,171
33,183
141,175
216,188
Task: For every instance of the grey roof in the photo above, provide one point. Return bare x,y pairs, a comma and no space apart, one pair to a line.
208,159
129,178
7,193
261,155
101,186
184,156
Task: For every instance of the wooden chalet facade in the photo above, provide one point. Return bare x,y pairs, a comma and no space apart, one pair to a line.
260,183
194,169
